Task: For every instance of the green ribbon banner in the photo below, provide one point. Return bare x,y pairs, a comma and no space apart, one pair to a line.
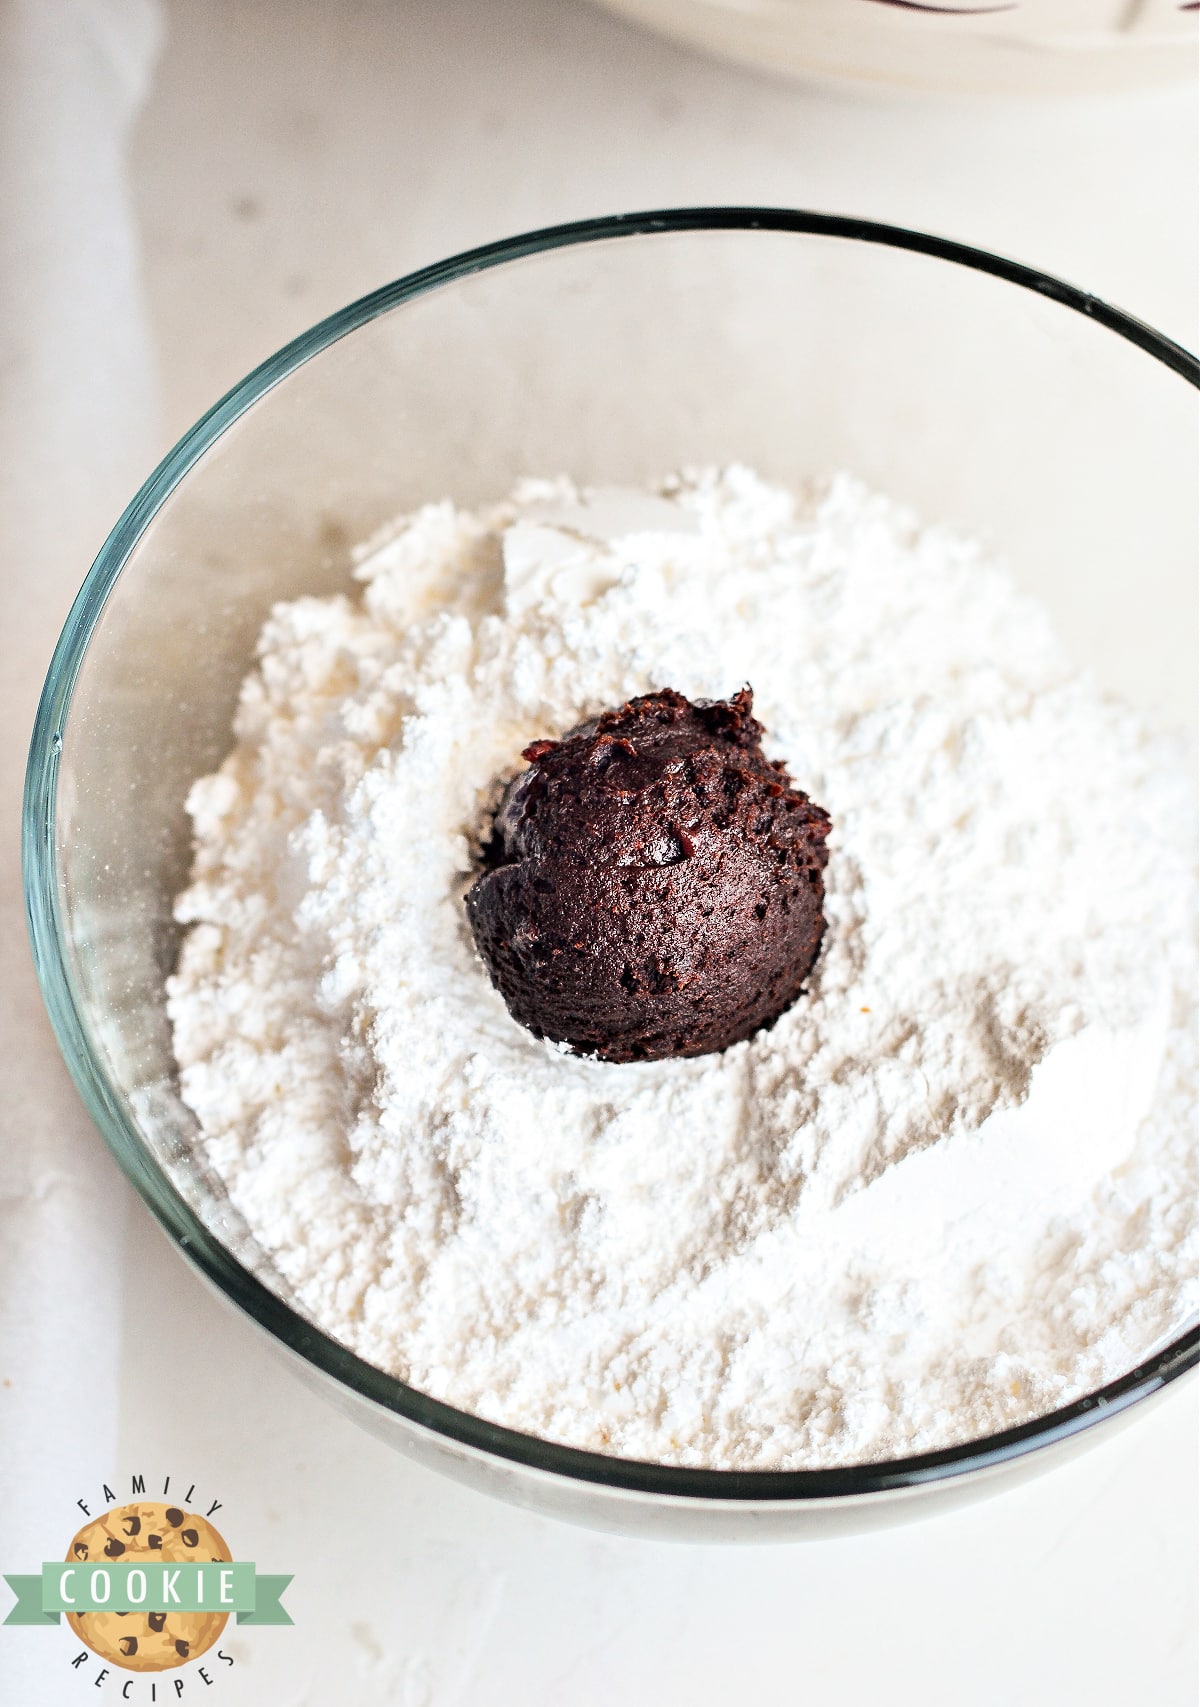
141,1586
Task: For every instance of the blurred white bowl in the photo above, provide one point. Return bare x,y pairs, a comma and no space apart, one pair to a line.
1006,46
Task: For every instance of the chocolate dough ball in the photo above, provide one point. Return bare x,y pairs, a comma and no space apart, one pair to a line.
653,884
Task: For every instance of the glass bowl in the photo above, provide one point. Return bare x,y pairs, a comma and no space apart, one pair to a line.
988,395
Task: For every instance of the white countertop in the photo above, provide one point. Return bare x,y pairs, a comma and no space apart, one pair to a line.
290,155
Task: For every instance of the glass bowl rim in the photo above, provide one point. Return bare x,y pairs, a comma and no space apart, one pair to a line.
103,1099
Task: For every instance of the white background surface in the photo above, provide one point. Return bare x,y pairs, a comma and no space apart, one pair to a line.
289,156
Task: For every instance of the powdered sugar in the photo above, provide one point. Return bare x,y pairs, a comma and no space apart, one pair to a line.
913,1211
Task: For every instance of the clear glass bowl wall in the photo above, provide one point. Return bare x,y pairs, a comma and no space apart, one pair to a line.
614,352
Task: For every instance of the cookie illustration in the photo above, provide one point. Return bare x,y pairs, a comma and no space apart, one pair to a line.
148,1641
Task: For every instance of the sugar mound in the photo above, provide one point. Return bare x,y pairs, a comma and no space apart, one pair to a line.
951,1189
